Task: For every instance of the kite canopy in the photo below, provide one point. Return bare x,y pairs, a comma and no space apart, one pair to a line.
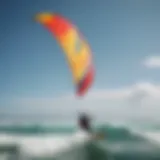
75,48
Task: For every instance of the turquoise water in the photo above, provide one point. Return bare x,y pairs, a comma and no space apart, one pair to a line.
120,143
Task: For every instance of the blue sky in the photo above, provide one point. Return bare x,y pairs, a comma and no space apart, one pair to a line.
121,35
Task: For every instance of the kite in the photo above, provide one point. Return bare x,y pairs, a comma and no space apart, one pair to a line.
75,47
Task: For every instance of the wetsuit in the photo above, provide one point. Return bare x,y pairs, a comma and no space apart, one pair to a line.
84,123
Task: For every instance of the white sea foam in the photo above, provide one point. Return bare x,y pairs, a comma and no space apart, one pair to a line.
154,136
48,145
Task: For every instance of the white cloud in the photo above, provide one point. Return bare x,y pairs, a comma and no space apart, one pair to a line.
139,101
152,62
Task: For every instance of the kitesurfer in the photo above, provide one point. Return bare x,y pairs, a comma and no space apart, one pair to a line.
84,122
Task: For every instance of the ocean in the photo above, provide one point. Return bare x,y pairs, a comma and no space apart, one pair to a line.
37,142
